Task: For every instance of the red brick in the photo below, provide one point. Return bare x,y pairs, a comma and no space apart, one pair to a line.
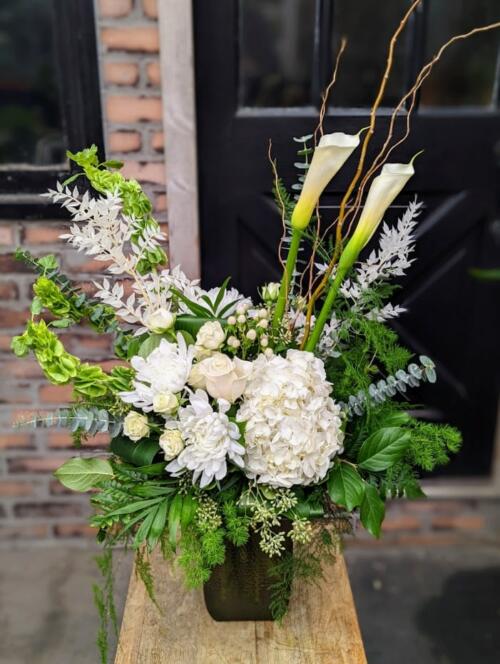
158,141
434,506
154,73
35,464
14,489
10,441
459,522
107,365
21,368
74,530
35,531
401,523
136,39
8,291
148,172
114,8
161,203
6,235
42,234
13,318
124,141
90,266
121,108
9,263
58,489
62,440
5,341
47,510
78,344
55,393
121,73
150,8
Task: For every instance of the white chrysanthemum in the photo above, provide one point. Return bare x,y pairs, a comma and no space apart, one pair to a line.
293,427
165,370
209,438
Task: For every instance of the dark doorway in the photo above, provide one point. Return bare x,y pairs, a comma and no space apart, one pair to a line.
260,67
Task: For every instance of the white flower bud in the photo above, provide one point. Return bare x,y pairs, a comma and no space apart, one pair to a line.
264,341
242,319
165,403
263,323
159,320
241,308
135,426
268,352
231,320
171,443
270,292
252,335
263,313
233,342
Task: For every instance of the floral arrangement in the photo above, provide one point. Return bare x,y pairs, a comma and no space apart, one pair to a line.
287,417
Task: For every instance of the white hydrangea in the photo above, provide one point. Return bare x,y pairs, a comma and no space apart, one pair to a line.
293,427
209,438
165,370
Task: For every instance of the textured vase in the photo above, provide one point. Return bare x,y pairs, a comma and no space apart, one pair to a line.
240,588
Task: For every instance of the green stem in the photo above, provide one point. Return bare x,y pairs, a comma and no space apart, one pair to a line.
287,278
325,312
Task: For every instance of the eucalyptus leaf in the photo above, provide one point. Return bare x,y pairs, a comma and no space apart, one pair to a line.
345,486
383,448
372,511
83,474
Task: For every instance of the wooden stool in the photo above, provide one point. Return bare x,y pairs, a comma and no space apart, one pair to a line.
320,628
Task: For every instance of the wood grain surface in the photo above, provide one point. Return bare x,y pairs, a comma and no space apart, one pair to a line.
320,628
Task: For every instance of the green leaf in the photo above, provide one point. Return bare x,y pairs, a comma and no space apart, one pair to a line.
220,294
345,486
138,454
71,179
112,163
372,511
383,449
492,274
190,324
36,305
136,507
62,322
82,474
149,344
194,307
174,519
158,524
143,530
189,506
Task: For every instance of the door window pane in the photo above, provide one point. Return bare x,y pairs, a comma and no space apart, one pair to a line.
31,130
368,26
465,75
276,39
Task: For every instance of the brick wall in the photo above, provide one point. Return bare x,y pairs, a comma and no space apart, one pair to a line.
32,503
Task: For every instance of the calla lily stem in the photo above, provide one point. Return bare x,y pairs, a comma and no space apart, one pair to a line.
287,278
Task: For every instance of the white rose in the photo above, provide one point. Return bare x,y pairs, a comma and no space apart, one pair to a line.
225,378
200,353
210,335
135,426
159,320
171,443
165,402
197,378
270,292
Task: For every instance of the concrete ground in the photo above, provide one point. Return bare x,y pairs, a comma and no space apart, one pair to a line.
440,606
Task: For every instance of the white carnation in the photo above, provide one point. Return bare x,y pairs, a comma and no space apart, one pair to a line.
293,427
209,437
166,369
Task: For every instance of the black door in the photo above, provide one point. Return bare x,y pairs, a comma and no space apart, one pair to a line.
260,67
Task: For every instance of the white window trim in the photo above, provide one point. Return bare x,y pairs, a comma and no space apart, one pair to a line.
179,124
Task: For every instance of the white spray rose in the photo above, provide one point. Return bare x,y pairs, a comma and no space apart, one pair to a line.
210,335
171,443
159,320
270,292
165,403
224,378
197,378
135,426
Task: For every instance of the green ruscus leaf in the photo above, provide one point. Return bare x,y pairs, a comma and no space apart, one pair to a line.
83,474
383,448
345,486
372,511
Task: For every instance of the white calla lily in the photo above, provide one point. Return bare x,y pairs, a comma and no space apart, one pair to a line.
331,153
